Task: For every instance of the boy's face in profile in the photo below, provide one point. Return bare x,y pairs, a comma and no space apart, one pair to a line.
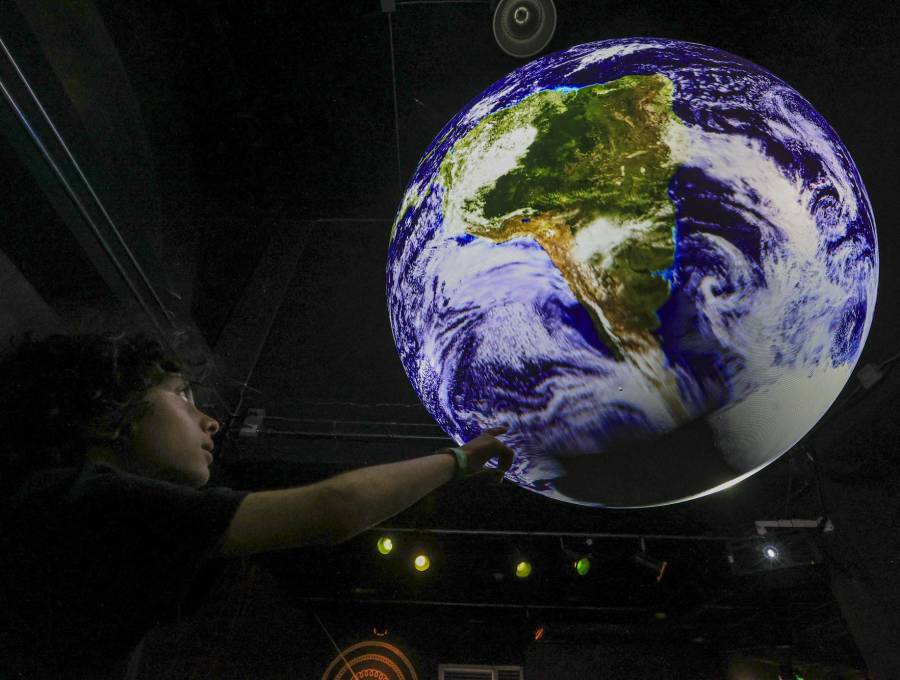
169,441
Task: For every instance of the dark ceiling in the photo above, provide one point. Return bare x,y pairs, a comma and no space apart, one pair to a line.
265,142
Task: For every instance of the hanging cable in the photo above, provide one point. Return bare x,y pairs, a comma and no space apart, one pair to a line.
90,189
396,114
80,206
334,644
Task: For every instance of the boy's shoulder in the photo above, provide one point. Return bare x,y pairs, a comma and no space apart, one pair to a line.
45,483
88,491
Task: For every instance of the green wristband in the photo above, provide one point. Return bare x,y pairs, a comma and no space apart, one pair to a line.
461,464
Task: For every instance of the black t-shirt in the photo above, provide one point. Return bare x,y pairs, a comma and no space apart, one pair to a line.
92,558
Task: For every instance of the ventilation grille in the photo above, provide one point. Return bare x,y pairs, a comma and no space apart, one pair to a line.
511,674
455,672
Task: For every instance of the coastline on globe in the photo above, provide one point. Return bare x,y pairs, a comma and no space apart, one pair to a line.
653,259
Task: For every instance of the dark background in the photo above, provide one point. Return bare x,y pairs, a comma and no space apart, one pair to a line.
247,154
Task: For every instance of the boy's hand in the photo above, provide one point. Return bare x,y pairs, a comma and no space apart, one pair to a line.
484,447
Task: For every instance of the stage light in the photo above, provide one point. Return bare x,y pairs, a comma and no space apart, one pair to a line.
580,560
786,548
385,545
539,633
422,563
523,569
642,558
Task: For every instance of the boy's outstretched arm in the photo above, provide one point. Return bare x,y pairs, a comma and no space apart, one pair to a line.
333,510
337,509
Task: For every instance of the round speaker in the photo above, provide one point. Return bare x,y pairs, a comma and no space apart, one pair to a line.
522,28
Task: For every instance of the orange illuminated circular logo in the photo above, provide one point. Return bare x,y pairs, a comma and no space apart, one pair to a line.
373,660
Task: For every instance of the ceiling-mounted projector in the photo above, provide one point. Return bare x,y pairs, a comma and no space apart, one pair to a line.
522,28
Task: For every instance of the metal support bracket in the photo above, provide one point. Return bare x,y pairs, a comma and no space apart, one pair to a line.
762,526
252,422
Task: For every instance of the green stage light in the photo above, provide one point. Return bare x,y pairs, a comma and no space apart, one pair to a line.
583,566
422,562
523,569
385,545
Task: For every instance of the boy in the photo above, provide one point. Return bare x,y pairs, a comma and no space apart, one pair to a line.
105,531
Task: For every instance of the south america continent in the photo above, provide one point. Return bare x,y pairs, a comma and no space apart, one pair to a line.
589,184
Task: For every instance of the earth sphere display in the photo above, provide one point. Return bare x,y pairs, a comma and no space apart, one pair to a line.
652,259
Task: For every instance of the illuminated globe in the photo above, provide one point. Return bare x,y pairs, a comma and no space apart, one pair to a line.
653,260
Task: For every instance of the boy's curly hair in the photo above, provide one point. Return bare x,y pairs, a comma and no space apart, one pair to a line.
61,394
